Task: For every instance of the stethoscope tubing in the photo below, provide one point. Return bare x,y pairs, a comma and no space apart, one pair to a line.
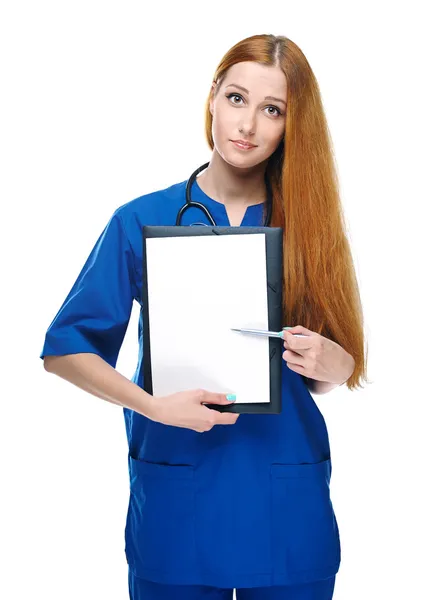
189,203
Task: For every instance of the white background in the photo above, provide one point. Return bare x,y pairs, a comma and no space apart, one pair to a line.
102,102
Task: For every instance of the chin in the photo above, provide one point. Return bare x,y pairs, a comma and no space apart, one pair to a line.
241,161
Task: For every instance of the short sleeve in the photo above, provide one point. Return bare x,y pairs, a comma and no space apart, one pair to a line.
96,312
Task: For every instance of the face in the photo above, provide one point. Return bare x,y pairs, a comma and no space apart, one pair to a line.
241,111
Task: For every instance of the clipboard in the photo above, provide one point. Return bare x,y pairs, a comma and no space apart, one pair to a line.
274,274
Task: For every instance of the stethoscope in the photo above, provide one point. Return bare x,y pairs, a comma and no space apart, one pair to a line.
190,204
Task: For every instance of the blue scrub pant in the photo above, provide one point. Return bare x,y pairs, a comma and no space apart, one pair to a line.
142,589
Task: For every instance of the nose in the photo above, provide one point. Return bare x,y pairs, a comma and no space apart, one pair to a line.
247,126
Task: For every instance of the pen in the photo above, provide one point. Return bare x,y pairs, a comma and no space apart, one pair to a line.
265,333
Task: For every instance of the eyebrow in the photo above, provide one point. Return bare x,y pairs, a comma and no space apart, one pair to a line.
247,92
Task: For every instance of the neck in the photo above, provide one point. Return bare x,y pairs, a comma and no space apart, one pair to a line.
233,186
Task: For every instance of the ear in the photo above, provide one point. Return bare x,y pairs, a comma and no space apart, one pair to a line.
212,93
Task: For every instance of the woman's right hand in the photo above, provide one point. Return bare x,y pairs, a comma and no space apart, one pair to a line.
186,409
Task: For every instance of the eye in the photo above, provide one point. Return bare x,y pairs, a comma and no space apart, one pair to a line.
235,96
279,113
276,109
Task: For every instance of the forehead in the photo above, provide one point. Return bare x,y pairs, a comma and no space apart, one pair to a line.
257,78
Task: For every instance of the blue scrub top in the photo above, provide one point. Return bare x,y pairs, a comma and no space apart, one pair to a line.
243,505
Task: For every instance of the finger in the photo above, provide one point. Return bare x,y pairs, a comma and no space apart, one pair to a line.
226,418
213,398
212,417
297,369
291,355
295,343
299,329
294,359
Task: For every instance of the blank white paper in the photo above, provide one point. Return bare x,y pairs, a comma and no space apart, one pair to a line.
198,288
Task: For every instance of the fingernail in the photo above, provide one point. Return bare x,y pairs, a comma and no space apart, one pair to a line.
231,397
287,328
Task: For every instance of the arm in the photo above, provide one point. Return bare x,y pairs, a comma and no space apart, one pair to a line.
94,375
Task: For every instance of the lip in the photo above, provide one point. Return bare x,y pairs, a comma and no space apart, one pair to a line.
243,144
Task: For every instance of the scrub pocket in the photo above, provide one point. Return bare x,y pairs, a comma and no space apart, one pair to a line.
160,530
305,535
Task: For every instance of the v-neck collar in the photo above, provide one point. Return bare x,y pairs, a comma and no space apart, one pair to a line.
252,217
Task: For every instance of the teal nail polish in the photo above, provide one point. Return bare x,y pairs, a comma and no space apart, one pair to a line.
231,397
287,328
281,334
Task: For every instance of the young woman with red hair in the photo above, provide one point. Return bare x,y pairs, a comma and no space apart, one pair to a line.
247,506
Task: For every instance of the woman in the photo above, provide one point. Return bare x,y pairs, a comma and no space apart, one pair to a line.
245,506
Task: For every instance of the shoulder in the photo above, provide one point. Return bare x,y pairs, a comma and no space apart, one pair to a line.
155,208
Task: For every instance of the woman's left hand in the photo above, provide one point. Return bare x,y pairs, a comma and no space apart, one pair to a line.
316,357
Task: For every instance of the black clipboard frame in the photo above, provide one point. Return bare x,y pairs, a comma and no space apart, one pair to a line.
274,268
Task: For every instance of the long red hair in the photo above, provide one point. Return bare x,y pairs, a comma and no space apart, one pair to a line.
320,285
